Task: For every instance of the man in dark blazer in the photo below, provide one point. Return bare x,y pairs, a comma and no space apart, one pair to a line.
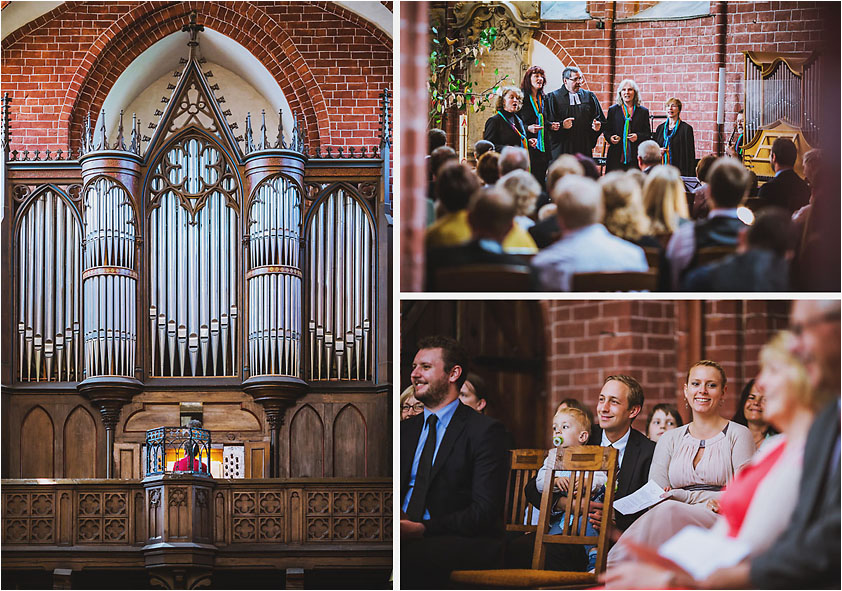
452,504
620,401
575,116
787,189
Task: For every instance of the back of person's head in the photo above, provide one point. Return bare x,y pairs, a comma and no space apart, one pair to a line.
439,156
624,215
664,199
491,213
513,158
487,167
813,162
579,202
772,230
729,181
455,185
649,153
435,138
785,152
481,147
589,166
452,354
638,176
547,211
562,166
703,167
523,187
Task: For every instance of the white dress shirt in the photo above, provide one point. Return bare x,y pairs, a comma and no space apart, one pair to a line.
619,445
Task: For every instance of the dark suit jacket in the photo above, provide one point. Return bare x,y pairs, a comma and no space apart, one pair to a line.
806,556
633,474
581,138
469,476
500,133
614,122
470,253
787,190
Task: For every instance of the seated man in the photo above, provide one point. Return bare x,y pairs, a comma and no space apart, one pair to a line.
728,182
452,475
787,190
491,215
648,155
585,245
761,262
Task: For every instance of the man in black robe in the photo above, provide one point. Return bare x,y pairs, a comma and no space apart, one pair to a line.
576,116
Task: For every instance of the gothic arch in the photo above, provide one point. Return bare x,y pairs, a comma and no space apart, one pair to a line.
350,443
80,439
37,444
306,438
137,30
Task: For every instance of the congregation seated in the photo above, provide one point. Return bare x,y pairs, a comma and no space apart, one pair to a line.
664,201
701,207
648,156
728,183
438,157
787,190
490,216
761,262
585,245
523,187
481,147
488,167
547,230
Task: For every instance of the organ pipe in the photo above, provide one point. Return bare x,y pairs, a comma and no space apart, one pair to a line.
340,281
49,314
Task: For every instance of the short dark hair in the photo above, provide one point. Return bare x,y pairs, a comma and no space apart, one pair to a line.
588,163
491,211
568,72
772,230
452,354
668,409
455,184
703,167
636,397
784,152
439,156
708,363
481,147
481,390
728,181
436,138
488,167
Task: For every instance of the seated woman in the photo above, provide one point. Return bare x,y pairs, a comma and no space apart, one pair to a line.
756,506
678,147
692,463
525,190
409,404
750,413
626,127
665,202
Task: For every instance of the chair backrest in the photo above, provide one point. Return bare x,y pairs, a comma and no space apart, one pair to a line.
525,464
713,253
582,462
616,281
653,256
484,278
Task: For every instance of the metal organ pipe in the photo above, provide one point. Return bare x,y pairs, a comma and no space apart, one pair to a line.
49,247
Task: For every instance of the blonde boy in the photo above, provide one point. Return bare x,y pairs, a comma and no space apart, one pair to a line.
574,428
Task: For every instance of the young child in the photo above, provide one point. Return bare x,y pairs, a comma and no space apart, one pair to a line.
571,427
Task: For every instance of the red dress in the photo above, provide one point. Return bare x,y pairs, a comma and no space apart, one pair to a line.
183,465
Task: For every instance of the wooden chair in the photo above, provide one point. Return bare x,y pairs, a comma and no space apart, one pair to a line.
484,278
616,281
653,257
710,254
582,462
525,464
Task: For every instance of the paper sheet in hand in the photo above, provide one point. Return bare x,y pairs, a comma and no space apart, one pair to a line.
647,495
700,552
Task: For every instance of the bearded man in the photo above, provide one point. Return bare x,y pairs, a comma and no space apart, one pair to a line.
453,474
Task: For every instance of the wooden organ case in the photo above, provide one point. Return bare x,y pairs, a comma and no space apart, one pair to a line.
242,275
782,99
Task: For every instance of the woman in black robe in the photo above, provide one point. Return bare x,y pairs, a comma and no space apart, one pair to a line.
533,113
623,139
675,137
505,127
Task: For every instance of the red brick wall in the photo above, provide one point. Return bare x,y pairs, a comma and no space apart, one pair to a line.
649,340
331,64
679,58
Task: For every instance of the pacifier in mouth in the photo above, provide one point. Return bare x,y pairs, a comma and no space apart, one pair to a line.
558,440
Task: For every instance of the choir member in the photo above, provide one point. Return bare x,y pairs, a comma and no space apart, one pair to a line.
576,116
626,127
676,140
534,116
505,127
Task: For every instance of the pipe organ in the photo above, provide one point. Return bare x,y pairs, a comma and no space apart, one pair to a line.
274,279
49,256
110,280
193,262
340,262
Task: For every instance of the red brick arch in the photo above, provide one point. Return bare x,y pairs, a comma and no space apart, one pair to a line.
147,23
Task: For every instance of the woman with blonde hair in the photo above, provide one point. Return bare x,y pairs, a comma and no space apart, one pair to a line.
505,127
524,188
626,126
665,201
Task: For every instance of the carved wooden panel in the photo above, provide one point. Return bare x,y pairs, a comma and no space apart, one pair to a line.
37,445
155,514
80,445
258,516
179,517
306,444
102,517
257,459
127,460
29,518
348,516
349,443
